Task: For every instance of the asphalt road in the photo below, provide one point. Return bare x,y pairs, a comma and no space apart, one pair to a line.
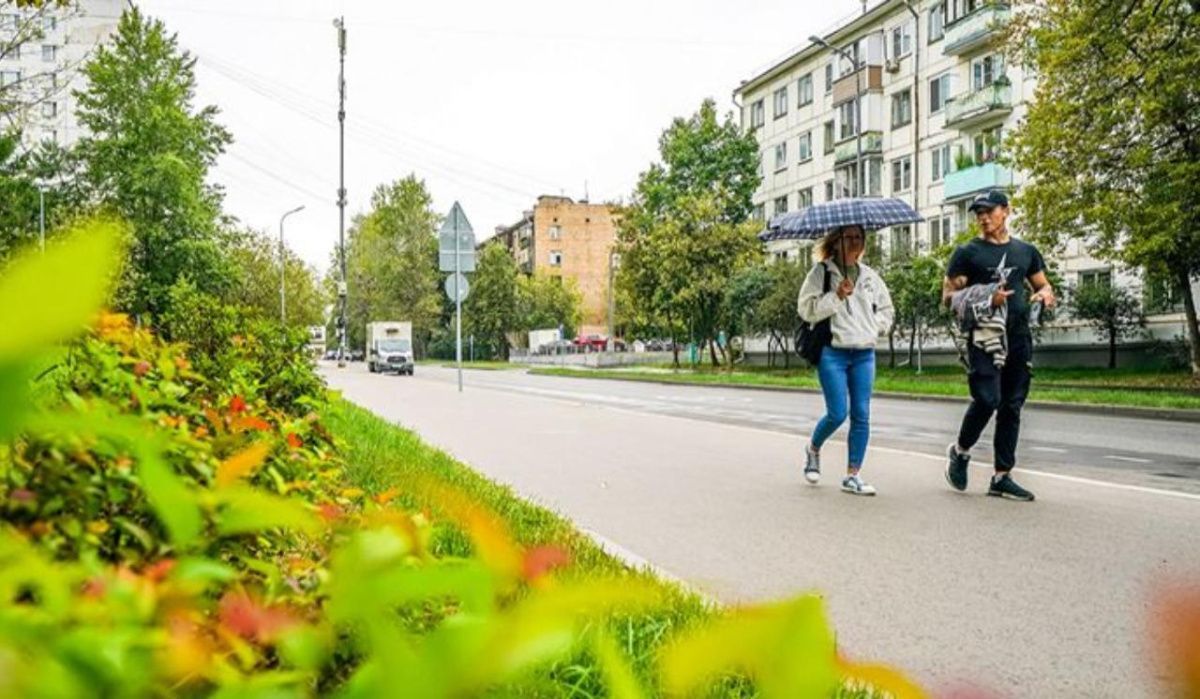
1030,599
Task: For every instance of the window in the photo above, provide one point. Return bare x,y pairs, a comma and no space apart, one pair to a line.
555,232
829,139
804,91
556,258
846,117
758,114
781,156
937,22
984,71
49,52
9,21
781,102
986,145
759,213
902,174
781,205
805,148
1160,294
828,190
1097,277
804,198
902,242
941,165
939,92
54,135
49,23
902,108
941,230
9,77
49,109
829,77
14,52
901,40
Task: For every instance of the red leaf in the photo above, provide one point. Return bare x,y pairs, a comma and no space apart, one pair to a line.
542,560
330,512
141,368
249,619
159,571
237,404
294,440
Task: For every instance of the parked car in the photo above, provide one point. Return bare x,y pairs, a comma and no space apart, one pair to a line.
558,347
592,343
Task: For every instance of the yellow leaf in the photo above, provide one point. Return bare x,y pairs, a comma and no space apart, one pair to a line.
97,527
242,464
882,678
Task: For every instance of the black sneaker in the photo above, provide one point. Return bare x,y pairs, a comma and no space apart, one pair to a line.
1006,487
956,470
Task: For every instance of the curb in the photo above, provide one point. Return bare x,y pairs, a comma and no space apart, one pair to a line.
1170,414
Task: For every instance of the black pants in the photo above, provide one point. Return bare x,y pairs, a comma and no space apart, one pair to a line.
1001,391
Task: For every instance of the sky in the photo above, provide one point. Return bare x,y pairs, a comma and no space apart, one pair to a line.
490,103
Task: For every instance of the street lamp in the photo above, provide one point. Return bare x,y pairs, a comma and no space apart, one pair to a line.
42,186
614,261
283,267
857,66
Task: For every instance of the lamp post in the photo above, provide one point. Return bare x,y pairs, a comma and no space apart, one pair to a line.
857,66
283,267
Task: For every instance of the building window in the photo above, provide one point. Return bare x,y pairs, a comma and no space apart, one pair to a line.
828,190
805,148
1096,277
9,77
804,198
9,21
781,156
941,230
556,258
939,92
829,140
902,108
902,242
846,118
986,145
49,52
829,77
804,91
941,165
758,114
781,205
760,212
901,40
49,23
1160,294
937,22
984,71
902,174
14,52
555,232
781,102
49,109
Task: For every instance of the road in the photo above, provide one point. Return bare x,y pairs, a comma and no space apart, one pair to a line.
1033,600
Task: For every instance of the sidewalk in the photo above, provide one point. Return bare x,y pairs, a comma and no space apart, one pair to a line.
1041,599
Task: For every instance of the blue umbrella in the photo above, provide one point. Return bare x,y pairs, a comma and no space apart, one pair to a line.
818,219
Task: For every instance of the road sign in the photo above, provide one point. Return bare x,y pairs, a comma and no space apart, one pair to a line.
464,287
456,236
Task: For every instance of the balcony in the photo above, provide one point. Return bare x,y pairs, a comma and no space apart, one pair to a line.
847,86
975,108
976,30
977,178
872,142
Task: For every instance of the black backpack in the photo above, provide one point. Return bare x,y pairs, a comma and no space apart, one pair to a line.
812,338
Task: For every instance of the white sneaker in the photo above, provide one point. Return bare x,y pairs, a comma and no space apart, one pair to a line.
855,486
812,465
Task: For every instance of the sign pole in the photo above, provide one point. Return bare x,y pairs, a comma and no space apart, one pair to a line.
457,301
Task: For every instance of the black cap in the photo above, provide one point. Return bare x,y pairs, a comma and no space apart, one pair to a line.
988,201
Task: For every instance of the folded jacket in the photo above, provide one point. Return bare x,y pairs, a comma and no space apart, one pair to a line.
984,323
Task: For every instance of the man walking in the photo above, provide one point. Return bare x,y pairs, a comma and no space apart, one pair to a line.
999,370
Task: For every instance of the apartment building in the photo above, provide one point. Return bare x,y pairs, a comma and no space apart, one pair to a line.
566,239
41,53
910,99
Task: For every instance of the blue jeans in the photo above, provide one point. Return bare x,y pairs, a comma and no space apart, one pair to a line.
846,373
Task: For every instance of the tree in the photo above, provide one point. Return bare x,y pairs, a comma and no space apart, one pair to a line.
765,297
391,262
686,233
548,302
147,158
490,310
1115,161
1112,311
915,284
255,258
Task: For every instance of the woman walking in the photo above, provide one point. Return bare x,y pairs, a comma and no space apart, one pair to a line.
857,303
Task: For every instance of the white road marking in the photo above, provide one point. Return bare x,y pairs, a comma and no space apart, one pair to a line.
1129,459
1052,450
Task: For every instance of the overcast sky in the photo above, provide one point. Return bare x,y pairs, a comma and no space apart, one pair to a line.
491,103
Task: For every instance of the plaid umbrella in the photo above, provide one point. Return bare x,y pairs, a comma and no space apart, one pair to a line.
817,220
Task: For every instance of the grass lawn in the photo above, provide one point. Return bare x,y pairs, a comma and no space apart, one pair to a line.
484,365
381,456
1120,387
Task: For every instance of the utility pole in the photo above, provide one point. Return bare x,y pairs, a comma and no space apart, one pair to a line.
343,289
42,216
283,267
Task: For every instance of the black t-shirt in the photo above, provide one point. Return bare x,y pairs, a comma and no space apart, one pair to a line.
982,262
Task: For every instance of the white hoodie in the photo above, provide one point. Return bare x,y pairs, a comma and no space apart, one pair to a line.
858,320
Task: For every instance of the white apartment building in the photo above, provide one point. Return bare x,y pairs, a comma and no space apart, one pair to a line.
937,96
44,69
